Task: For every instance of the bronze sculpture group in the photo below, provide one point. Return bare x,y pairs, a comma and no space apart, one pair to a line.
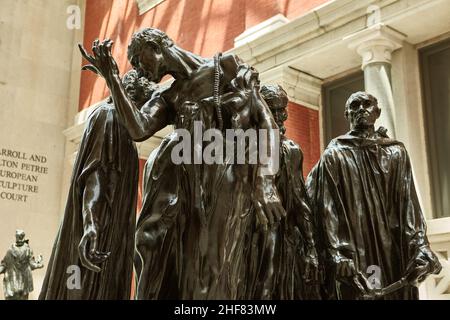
227,230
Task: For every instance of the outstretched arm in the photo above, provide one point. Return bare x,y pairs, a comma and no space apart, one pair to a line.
141,124
94,203
269,160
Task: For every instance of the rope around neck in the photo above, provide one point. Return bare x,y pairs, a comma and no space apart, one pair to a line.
216,90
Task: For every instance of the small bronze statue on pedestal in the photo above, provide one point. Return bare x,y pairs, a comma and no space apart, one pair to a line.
369,217
17,265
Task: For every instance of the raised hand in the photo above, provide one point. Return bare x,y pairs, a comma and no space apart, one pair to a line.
102,61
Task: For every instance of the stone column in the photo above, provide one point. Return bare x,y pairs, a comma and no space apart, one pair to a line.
375,45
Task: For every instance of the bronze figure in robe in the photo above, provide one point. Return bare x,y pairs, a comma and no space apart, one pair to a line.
368,214
97,231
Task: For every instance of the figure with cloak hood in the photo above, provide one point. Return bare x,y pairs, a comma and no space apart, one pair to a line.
368,214
97,231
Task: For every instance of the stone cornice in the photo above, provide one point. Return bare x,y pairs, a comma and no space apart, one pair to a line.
311,25
301,88
310,42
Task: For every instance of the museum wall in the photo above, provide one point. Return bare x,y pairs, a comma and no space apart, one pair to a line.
36,49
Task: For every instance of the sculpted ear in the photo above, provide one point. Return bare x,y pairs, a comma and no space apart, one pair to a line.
346,114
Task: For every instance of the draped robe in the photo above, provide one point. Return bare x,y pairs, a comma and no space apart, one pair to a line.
280,258
191,234
367,210
106,148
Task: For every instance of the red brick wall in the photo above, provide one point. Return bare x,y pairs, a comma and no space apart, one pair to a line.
302,126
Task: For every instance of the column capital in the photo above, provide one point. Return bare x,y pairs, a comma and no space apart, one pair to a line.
376,43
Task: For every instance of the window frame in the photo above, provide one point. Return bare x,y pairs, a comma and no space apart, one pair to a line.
431,148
